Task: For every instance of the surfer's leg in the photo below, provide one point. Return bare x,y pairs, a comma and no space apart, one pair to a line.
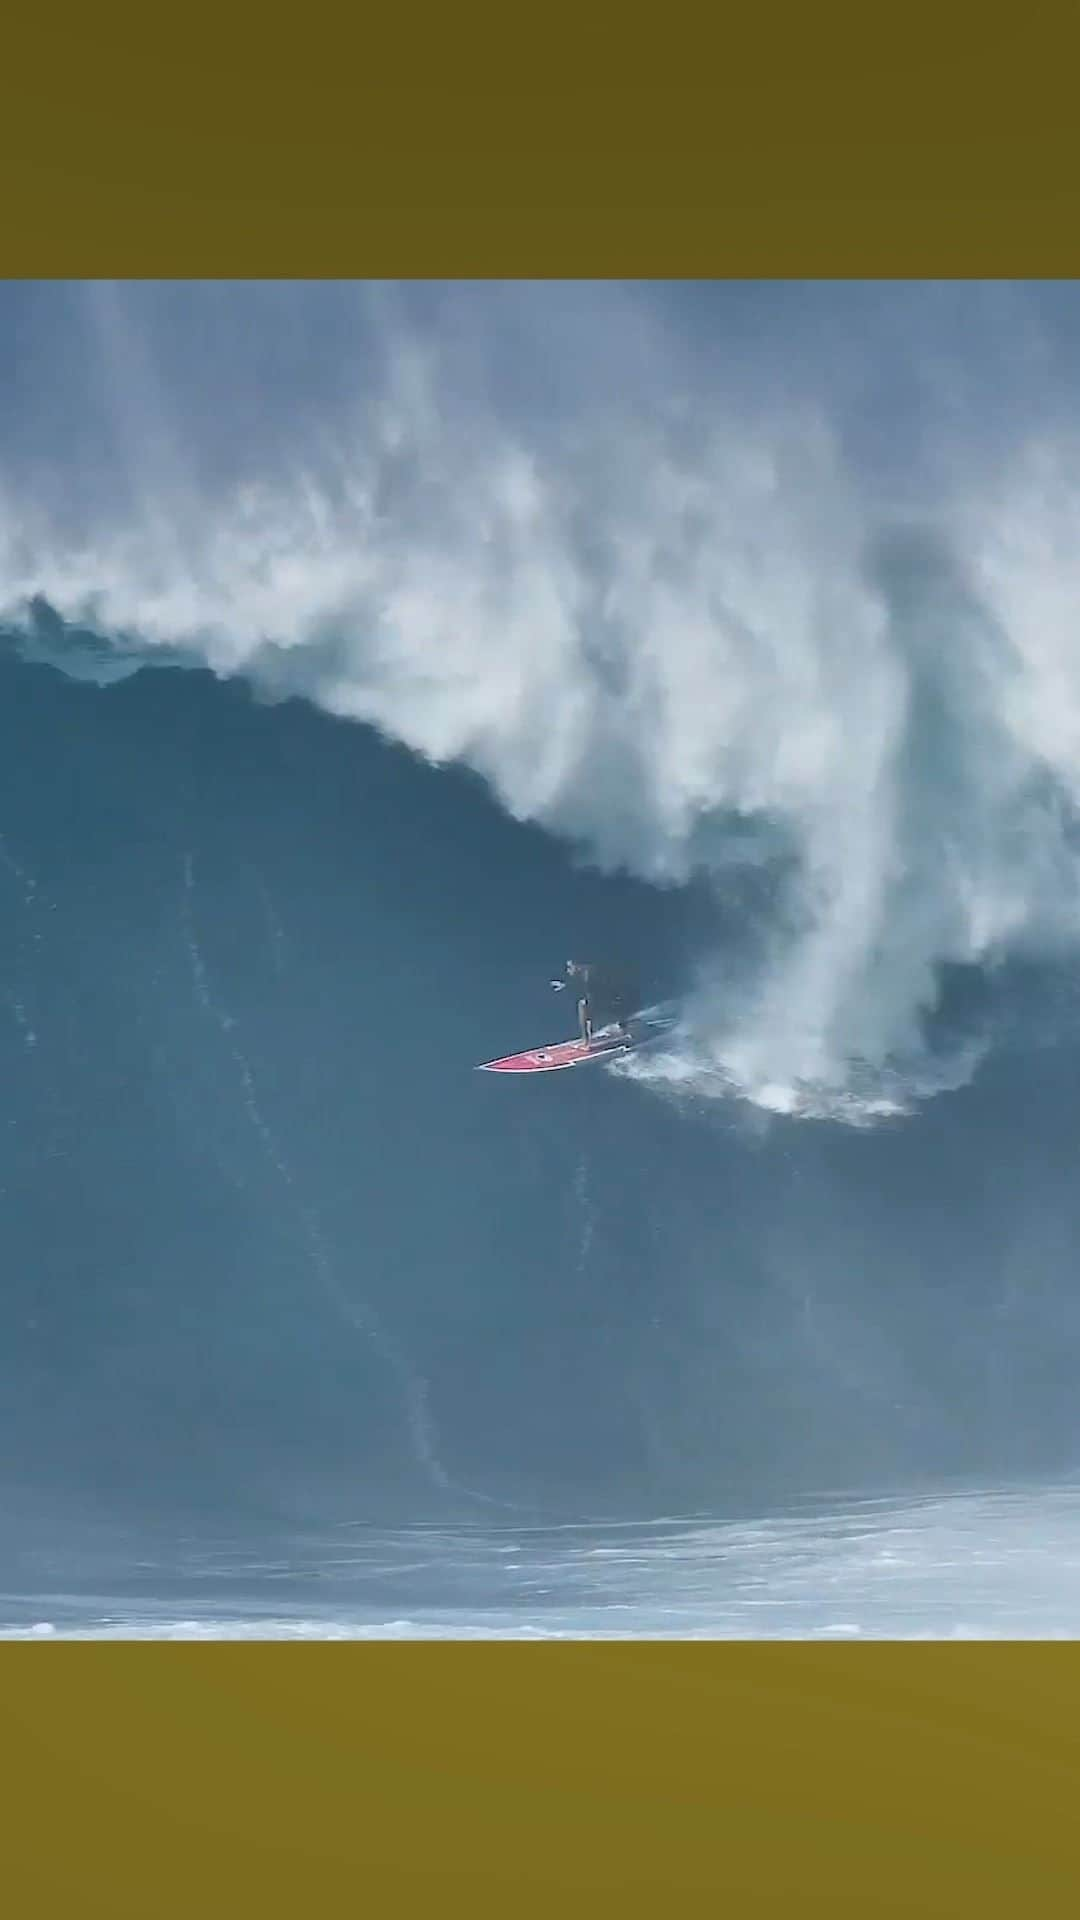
584,1021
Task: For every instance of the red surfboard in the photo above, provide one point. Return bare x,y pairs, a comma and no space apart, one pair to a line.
564,1053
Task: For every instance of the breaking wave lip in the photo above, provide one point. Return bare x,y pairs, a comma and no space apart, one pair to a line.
99,659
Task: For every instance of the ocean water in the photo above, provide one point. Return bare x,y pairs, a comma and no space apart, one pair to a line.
364,652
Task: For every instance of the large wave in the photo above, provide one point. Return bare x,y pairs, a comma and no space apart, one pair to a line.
781,579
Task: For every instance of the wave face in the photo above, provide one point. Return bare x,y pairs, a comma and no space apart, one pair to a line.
730,634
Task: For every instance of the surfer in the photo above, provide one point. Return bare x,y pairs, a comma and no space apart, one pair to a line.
598,989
